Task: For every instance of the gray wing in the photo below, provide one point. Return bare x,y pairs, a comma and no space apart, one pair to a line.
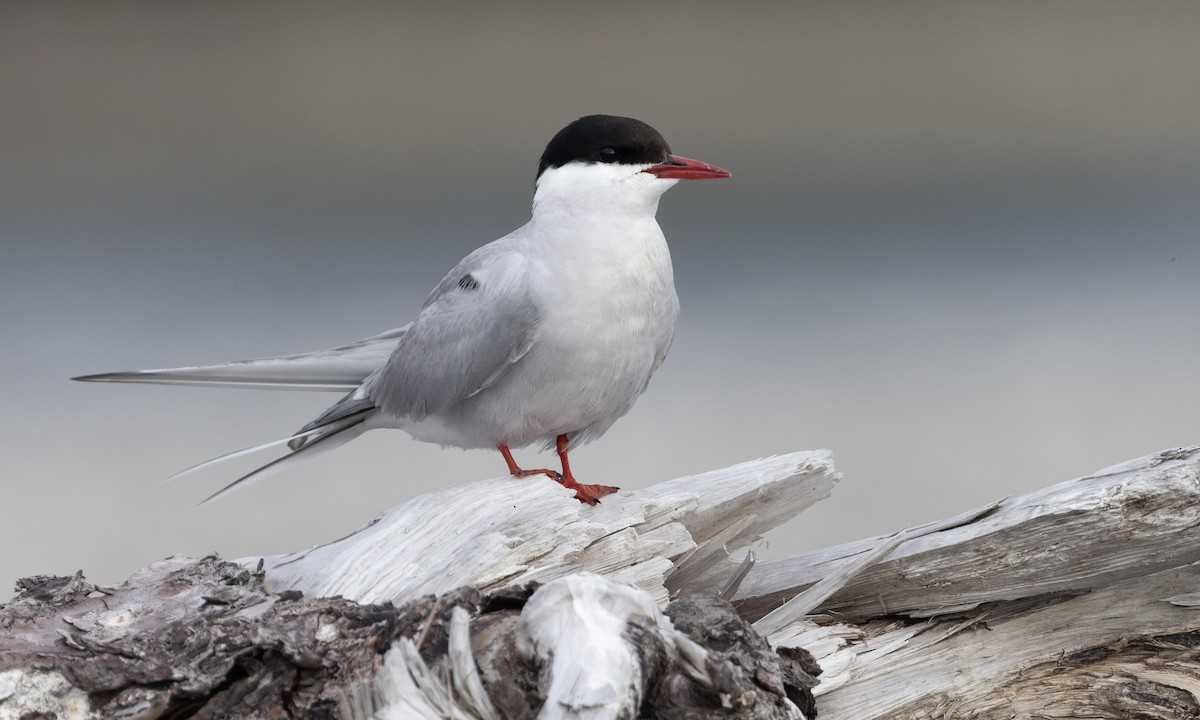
341,368
481,318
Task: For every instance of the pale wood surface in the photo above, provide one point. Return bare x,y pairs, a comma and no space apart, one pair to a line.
1122,522
1079,600
507,531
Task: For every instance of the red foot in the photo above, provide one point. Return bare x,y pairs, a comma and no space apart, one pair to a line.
589,494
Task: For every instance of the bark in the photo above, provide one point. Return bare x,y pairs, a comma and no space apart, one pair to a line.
1079,600
204,638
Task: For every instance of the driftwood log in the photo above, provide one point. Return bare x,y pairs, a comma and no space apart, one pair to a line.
507,599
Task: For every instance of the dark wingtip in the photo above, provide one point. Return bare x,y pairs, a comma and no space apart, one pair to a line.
102,377
130,376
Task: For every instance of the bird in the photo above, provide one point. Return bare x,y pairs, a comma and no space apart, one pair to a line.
547,335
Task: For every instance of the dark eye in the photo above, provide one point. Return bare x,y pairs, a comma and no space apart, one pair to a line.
608,155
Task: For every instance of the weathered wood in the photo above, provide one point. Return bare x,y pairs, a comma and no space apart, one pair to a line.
1126,521
509,531
1121,652
1080,600
816,595
1074,601
205,638
186,635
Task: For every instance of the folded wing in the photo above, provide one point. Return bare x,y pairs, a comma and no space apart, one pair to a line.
481,319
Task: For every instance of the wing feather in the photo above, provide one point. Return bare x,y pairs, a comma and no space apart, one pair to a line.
467,336
340,368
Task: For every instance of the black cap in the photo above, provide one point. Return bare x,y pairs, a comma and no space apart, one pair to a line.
605,139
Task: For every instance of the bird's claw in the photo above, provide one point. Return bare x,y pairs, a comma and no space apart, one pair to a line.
589,494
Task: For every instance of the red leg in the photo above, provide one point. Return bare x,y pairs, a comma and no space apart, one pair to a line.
589,494
516,471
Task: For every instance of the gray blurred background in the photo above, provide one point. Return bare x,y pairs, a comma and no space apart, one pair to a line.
961,246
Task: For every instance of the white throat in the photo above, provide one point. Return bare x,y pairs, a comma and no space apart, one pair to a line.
587,190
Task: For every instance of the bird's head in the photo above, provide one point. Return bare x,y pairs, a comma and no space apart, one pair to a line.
605,161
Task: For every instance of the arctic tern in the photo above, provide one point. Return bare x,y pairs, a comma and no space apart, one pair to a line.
548,334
